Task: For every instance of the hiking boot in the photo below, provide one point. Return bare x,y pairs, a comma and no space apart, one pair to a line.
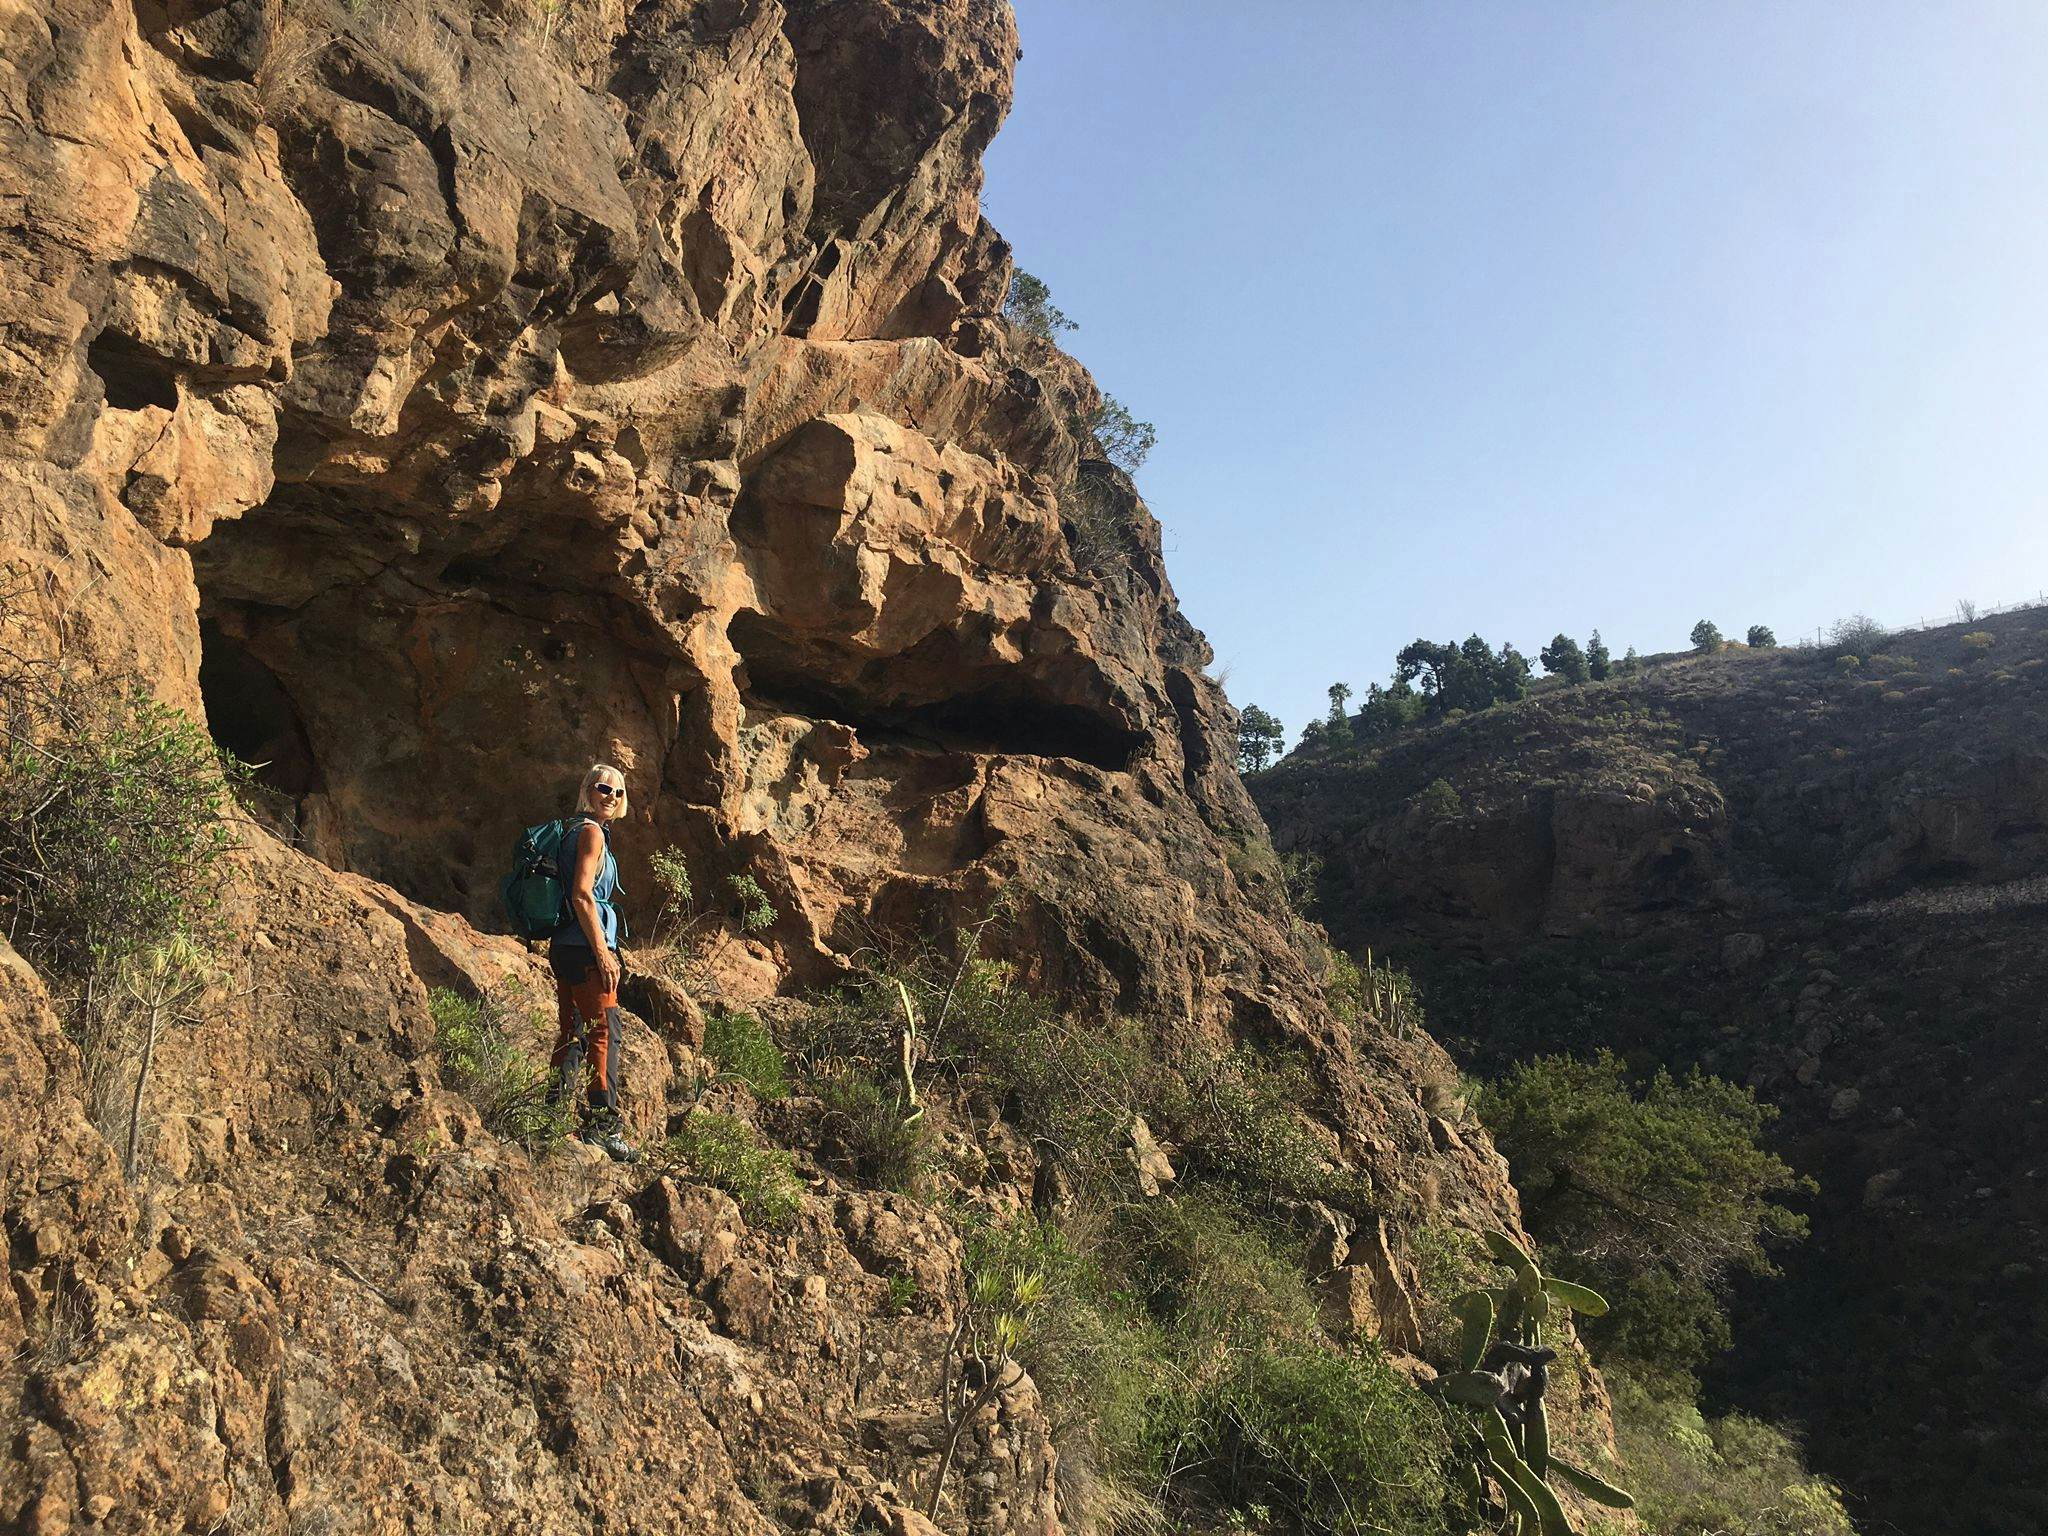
607,1140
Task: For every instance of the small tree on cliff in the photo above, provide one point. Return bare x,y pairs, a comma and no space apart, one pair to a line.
1706,637
1563,658
1599,664
1124,440
1259,738
1029,307
1510,674
1659,1191
1761,637
1337,725
1388,710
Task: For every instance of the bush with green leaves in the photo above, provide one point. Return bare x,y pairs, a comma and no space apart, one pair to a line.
1658,1191
1563,658
1029,307
865,1124
1706,637
1124,440
1260,739
482,1052
1731,1476
1761,637
1179,1356
725,1152
1326,1442
114,815
743,1048
1599,661
1440,801
1859,635
115,823
751,907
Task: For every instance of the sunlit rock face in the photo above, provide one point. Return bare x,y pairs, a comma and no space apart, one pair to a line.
442,398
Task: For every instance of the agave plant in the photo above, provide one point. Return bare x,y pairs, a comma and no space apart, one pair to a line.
979,1359
1505,1322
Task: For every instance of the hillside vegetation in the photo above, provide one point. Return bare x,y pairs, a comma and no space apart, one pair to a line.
1821,874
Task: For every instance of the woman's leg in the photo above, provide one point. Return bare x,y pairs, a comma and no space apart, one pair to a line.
589,1037
567,1056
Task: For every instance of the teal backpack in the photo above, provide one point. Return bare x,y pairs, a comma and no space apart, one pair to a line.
536,888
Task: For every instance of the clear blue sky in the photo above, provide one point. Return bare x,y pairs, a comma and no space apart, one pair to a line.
1544,316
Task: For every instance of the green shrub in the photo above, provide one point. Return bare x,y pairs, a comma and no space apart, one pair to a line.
1656,1193
1761,637
1449,1261
1077,1085
1100,1361
1440,801
1979,641
1152,1305
509,1088
1216,1282
1124,440
751,908
1857,635
1346,987
1236,1117
1733,1476
1179,1357
1706,637
743,1048
113,822
113,829
863,1122
1327,1442
1029,307
724,1152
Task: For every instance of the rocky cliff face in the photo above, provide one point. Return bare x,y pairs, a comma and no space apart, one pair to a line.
1827,883
439,399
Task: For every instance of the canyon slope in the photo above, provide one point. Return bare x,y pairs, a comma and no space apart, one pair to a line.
1827,880
434,400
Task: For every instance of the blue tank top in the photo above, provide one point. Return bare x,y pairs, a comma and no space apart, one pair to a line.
605,888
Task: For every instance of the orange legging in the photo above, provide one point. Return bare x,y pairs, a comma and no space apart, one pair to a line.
581,1002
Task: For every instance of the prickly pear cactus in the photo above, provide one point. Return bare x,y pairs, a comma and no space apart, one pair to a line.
1516,1453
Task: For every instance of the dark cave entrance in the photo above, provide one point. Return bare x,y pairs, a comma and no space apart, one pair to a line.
1004,716
252,716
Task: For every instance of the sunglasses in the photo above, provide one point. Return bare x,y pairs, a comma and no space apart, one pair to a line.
607,791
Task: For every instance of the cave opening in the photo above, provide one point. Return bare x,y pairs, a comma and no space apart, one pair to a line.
131,376
1005,716
252,716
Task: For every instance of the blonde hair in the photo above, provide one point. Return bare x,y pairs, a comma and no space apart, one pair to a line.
596,773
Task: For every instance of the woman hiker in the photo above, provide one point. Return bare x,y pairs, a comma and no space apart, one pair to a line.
584,955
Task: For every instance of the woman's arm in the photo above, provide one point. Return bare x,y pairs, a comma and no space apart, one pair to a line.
583,900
